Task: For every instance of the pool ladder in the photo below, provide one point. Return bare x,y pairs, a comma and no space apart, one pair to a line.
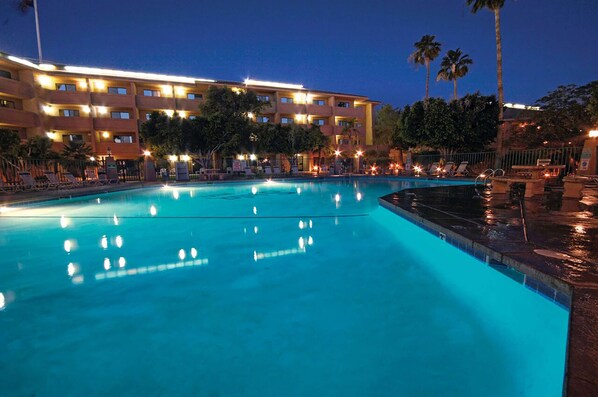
484,177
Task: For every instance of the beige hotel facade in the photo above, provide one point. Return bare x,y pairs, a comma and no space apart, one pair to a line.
104,108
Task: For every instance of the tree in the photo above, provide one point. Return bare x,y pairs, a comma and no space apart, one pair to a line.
439,127
476,119
162,134
426,50
592,107
387,123
317,141
39,148
494,6
77,150
10,143
454,65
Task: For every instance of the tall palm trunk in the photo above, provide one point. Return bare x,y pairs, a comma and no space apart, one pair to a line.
500,134
39,42
455,89
427,78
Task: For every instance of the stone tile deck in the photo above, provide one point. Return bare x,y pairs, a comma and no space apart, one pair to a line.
492,229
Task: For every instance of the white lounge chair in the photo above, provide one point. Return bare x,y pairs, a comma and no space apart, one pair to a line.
267,170
53,181
462,169
433,169
29,182
276,170
448,168
72,181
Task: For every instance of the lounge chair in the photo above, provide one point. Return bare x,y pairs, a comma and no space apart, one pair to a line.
267,170
448,168
29,182
6,188
462,169
91,178
53,181
276,170
103,179
249,172
71,180
433,169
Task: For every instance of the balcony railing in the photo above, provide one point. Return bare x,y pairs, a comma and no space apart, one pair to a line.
65,97
112,100
187,104
70,123
18,118
154,102
357,113
115,125
16,88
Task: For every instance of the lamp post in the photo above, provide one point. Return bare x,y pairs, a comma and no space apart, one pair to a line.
337,153
587,161
358,155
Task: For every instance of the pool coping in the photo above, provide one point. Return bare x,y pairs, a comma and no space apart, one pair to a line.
581,363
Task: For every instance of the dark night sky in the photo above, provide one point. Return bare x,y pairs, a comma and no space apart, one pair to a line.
348,46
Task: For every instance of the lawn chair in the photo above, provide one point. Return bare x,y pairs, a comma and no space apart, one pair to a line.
448,169
6,188
462,169
267,170
433,169
248,172
103,179
71,180
276,170
53,181
29,182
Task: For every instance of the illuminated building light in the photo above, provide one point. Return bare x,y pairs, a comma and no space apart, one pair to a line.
133,75
83,84
180,91
105,134
273,84
240,157
45,81
167,90
185,157
520,106
250,115
47,108
46,66
182,114
102,109
169,112
86,109
252,157
92,159
337,152
147,153
593,134
51,135
300,118
23,62
173,157
99,85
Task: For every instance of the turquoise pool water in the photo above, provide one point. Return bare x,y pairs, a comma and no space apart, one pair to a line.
281,289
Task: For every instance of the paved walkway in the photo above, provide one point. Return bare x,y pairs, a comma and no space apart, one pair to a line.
555,244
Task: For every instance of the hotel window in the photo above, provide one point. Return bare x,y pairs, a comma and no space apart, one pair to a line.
344,123
72,138
7,104
343,104
123,138
117,90
263,98
194,96
151,92
319,102
319,121
69,113
287,120
262,119
121,115
66,87
5,74
286,99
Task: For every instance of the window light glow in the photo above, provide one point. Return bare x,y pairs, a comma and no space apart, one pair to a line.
99,85
102,110
83,84
86,109
180,91
273,84
167,90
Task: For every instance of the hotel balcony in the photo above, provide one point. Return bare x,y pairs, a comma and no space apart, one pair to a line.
327,129
291,108
119,150
112,100
358,131
356,113
319,111
70,123
186,104
115,125
154,102
65,97
15,88
18,118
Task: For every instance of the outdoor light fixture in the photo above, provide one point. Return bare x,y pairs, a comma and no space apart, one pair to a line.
44,80
169,112
273,84
86,109
46,66
593,134
147,153
102,110
105,134
337,152
185,157
99,85
359,153
250,115
47,108
133,75
173,157
92,159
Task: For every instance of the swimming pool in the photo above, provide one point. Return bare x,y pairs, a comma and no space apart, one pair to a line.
286,288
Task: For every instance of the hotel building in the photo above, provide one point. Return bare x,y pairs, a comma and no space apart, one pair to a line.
104,108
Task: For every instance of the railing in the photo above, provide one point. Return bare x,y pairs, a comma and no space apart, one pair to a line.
10,168
480,161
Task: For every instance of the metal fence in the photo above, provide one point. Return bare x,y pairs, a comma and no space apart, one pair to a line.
128,170
480,161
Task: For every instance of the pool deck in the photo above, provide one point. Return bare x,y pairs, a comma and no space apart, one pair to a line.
491,228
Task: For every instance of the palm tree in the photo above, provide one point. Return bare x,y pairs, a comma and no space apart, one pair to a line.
426,50
77,150
24,6
454,65
494,6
